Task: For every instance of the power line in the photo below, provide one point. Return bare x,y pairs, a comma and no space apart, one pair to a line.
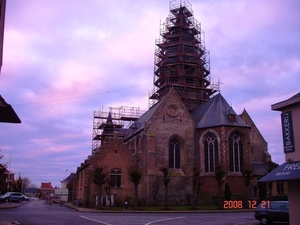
77,97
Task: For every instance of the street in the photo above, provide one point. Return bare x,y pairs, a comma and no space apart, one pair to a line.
37,212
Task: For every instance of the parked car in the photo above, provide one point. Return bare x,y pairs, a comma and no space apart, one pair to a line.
268,211
12,196
4,197
25,198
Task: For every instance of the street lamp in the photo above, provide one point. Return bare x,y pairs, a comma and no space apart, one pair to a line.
65,173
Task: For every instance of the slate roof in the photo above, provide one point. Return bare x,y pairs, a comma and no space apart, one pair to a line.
70,177
138,125
214,113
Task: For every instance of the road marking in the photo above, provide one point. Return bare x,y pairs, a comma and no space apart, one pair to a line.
94,220
155,221
247,222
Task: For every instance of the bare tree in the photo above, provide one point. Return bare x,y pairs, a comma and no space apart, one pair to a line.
3,184
135,175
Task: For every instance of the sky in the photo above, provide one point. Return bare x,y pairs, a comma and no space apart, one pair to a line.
64,59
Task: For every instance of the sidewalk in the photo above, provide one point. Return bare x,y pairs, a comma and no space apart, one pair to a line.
9,206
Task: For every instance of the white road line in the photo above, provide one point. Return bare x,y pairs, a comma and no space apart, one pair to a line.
248,222
94,220
155,221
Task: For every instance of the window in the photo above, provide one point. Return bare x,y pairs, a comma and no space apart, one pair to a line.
280,188
236,163
211,152
174,154
115,178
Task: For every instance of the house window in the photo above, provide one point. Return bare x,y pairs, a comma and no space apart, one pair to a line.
115,178
236,163
211,152
174,154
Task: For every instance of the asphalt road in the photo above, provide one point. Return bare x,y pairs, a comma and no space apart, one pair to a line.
37,212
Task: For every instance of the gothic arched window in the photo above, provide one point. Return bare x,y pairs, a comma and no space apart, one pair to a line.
174,154
115,178
236,149
211,152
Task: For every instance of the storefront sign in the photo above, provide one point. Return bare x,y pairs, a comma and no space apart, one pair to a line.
287,132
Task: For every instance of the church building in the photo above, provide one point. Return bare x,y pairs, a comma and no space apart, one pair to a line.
189,128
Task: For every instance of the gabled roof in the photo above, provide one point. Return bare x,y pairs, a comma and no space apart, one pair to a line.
251,123
215,112
138,125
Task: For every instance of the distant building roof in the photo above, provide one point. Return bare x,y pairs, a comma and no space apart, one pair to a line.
46,185
70,177
216,112
31,190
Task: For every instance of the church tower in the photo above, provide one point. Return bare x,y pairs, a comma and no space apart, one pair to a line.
181,59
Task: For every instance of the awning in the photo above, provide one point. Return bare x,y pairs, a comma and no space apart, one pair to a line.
287,171
7,113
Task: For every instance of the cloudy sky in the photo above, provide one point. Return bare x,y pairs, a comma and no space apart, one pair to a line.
65,59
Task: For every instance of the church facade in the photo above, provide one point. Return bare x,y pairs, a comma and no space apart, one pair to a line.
189,128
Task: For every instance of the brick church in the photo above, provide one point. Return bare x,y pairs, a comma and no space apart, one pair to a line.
188,126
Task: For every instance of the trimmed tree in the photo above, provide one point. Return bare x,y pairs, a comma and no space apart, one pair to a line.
219,174
135,175
271,166
100,177
195,186
247,174
165,171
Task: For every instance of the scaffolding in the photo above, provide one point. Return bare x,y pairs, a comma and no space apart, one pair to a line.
122,117
181,58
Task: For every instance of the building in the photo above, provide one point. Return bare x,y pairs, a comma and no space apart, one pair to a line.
189,128
7,113
47,191
64,193
290,170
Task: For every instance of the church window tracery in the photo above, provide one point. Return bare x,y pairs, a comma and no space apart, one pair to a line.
174,154
236,162
211,152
